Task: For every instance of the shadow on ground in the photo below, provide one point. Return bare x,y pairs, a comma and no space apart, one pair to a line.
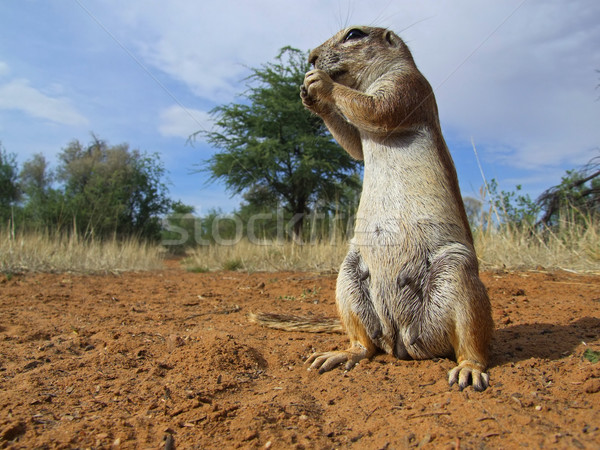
541,340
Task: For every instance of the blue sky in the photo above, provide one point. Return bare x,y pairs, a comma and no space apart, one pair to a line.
518,78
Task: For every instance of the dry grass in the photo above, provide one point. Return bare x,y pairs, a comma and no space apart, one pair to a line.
46,252
320,256
572,247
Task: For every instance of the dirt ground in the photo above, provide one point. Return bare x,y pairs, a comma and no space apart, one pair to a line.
168,360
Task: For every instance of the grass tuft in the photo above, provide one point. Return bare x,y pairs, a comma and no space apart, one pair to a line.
198,269
233,264
270,257
574,246
49,252
591,355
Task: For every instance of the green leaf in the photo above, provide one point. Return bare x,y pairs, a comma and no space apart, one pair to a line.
591,355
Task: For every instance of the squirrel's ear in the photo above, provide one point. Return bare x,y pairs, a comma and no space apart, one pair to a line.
392,39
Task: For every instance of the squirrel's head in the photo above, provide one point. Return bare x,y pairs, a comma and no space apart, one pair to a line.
357,55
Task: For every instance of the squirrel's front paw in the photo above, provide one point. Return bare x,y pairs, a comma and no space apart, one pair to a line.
318,85
316,91
307,100
311,103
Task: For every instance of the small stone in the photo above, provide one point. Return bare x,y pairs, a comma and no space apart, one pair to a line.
592,386
174,341
426,440
253,434
32,365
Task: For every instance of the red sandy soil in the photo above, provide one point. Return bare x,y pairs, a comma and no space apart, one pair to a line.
169,360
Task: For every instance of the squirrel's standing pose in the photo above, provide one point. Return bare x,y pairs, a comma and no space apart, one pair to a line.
410,283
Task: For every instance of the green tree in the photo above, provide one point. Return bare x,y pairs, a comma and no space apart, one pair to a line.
113,189
9,186
43,205
35,176
513,207
276,152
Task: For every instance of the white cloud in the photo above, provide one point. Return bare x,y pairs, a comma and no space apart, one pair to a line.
19,95
523,84
182,122
210,45
4,70
517,76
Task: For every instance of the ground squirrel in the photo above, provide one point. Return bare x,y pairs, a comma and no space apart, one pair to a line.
410,283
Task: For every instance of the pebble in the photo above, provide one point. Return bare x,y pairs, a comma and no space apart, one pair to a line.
253,434
592,386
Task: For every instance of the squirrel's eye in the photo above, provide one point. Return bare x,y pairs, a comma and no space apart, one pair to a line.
353,34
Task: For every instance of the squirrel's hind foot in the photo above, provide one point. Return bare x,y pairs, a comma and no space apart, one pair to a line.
325,361
469,372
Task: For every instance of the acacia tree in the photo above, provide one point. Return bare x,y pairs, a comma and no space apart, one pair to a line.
273,146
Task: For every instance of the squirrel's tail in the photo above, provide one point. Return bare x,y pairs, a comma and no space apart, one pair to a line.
291,322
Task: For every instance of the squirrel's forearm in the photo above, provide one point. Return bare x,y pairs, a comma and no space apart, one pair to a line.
396,104
344,133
